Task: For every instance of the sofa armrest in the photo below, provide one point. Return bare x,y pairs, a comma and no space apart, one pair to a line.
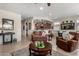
61,43
72,45
72,42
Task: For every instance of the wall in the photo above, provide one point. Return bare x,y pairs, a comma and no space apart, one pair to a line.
74,18
17,22
59,20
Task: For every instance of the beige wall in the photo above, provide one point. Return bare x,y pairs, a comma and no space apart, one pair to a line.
74,18
17,22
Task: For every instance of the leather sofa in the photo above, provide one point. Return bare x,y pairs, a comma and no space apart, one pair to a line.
69,45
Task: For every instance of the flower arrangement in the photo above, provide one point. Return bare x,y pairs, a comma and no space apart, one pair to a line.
39,44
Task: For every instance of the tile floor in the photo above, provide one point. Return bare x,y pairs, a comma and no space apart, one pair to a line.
21,49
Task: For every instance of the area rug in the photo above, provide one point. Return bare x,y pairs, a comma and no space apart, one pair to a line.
25,52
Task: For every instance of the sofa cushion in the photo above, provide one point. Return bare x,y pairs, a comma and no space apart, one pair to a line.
68,46
65,36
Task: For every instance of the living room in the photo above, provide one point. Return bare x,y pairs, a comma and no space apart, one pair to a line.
36,29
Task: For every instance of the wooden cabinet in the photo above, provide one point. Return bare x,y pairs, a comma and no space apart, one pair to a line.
42,25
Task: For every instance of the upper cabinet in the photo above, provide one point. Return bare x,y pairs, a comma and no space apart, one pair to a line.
43,24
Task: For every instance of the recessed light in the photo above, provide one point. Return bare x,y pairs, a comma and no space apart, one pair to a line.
41,8
77,21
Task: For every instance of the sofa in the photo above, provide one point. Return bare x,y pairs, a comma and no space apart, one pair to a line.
67,45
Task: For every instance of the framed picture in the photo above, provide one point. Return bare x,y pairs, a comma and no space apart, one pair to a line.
7,24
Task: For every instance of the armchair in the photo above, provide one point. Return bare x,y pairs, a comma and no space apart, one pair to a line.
37,36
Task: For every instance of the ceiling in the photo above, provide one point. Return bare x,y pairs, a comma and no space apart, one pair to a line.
54,11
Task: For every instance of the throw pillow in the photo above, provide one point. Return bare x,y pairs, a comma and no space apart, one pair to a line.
71,36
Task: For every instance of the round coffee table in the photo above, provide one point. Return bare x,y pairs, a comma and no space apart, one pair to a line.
40,51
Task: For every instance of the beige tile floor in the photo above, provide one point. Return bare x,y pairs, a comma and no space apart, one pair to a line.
10,49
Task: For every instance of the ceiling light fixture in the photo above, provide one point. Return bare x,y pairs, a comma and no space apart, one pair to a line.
77,21
48,4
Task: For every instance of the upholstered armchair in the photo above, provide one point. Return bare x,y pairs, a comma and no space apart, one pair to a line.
69,45
37,36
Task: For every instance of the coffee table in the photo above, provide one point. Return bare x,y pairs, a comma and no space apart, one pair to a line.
40,51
